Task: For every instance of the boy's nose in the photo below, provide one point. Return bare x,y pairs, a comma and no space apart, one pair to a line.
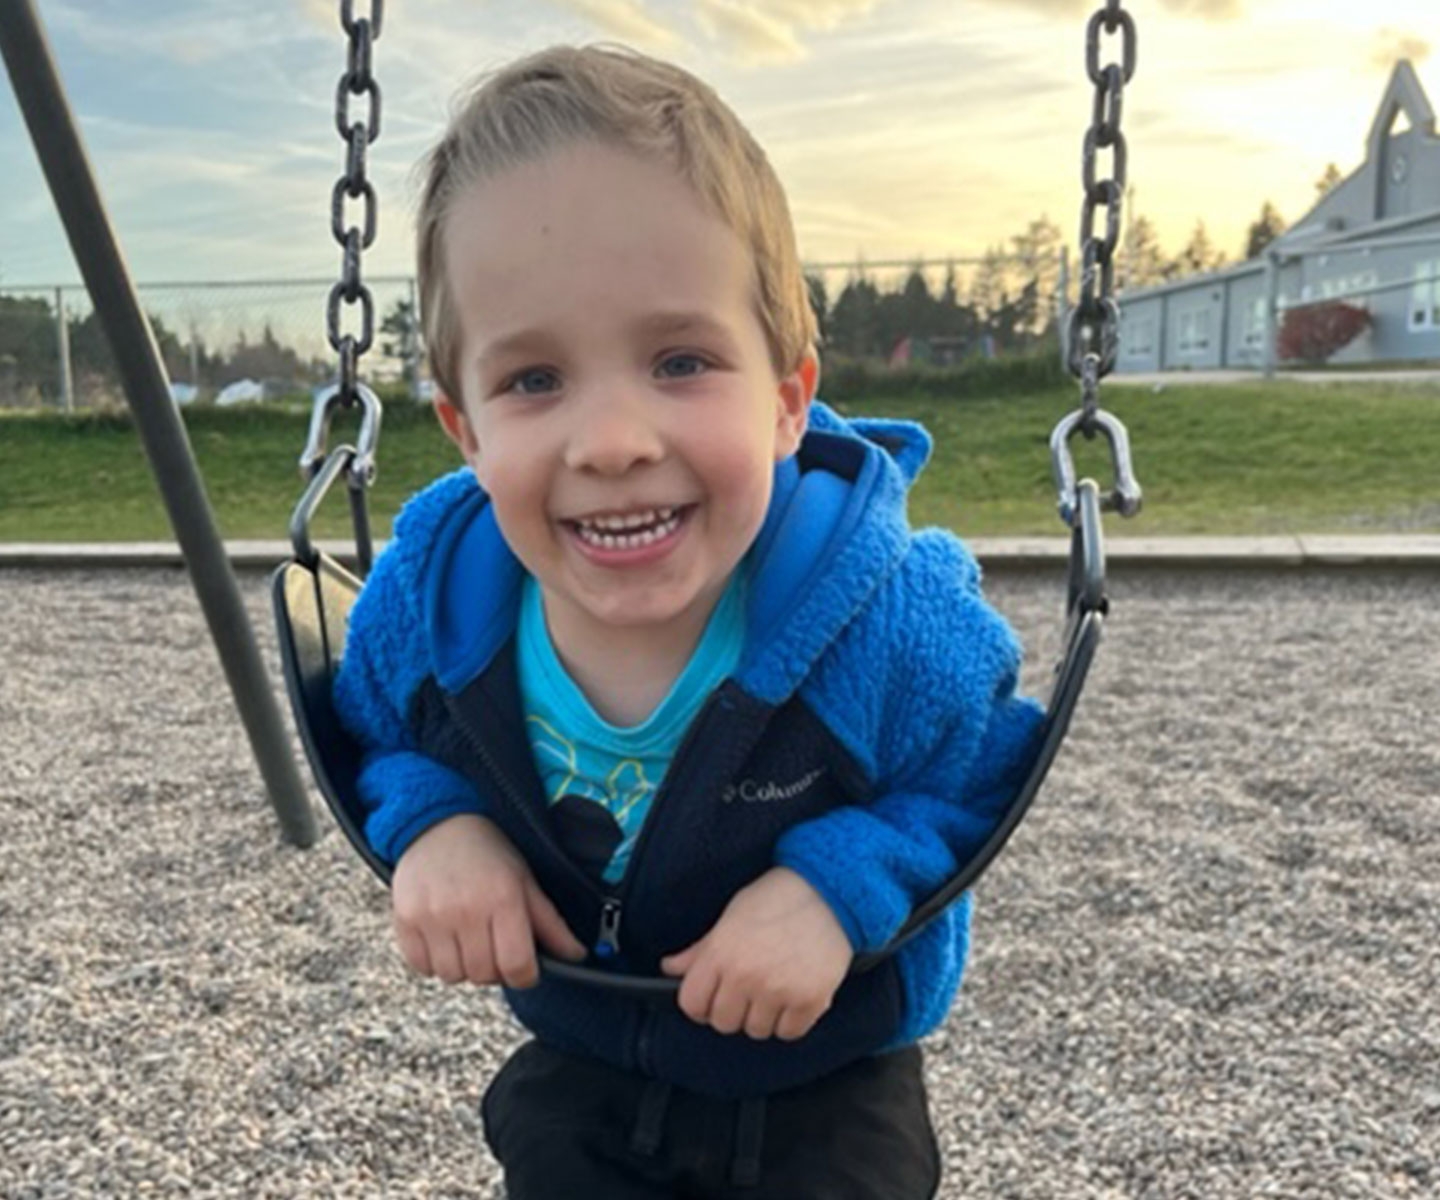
611,434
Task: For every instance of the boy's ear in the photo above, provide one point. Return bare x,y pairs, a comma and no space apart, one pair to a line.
796,391
457,427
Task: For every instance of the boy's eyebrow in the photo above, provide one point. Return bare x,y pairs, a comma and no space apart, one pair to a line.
523,342
671,324
526,342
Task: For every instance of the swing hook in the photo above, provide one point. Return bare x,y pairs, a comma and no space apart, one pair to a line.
362,467
356,462
1125,496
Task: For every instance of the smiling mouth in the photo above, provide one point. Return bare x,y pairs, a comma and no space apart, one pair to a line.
629,531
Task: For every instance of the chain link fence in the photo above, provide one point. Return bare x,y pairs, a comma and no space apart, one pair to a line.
221,342
229,343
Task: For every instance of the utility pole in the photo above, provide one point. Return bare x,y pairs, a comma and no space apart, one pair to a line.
1272,306
62,348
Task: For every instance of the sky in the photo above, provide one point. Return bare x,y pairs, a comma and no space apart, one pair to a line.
901,128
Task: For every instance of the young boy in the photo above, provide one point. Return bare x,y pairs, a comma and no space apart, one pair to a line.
663,679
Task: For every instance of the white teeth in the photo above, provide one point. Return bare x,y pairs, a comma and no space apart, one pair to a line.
617,522
649,527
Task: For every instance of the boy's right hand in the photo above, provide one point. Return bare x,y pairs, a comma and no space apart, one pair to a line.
467,907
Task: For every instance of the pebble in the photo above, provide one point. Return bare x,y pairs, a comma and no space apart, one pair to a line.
1205,967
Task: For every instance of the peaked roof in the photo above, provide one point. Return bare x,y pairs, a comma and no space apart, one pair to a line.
1404,93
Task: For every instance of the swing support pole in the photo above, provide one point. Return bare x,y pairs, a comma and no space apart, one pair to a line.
62,156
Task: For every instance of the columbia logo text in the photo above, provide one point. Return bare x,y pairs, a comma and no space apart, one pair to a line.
748,791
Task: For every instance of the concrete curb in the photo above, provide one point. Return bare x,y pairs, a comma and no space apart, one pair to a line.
1411,551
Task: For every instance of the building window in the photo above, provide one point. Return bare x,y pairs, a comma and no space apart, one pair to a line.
1255,323
1138,337
1195,331
1425,296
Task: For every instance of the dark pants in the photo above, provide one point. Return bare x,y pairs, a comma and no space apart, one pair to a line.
564,1127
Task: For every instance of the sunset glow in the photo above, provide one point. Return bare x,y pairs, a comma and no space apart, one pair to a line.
901,127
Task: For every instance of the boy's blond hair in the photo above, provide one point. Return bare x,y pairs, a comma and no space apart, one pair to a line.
569,94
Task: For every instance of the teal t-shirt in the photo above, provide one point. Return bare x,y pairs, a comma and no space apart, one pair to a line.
600,778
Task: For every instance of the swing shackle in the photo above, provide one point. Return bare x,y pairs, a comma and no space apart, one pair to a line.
1085,589
362,465
1125,496
340,461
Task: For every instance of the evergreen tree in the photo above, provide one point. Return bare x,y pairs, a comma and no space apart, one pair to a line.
819,305
1038,252
915,312
854,321
1142,263
401,325
28,352
1200,254
1328,181
989,290
1263,231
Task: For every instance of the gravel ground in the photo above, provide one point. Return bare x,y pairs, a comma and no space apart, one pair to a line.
1207,967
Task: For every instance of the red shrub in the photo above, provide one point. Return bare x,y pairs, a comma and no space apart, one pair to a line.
1314,333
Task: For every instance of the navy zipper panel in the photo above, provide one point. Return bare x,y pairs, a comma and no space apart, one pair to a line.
691,760
643,1039
680,762
608,945
517,802
687,762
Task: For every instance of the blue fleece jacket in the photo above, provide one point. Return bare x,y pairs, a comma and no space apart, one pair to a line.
869,739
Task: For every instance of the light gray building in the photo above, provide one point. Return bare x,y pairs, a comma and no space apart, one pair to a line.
1373,241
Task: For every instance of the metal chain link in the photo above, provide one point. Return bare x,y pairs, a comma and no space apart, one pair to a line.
1093,331
357,134
318,464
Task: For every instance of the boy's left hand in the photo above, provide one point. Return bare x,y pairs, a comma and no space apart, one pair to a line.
770,965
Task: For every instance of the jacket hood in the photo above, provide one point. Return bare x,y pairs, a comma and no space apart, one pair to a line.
835,529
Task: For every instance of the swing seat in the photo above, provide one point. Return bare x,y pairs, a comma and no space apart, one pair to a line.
313,595
312,613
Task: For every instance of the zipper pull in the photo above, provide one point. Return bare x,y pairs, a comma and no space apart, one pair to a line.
609,944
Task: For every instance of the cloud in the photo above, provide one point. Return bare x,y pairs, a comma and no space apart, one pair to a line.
1391,45
757,36
325,15
752,31
625,19
820,14
771,30
1208,10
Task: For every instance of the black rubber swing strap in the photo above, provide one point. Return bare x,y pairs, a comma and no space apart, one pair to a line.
1087,607
1070,673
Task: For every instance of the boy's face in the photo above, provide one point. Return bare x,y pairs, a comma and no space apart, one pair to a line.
620,404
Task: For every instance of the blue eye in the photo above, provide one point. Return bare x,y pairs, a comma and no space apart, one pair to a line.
682,366
533,381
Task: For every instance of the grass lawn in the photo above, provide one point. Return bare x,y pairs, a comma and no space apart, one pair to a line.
1250,458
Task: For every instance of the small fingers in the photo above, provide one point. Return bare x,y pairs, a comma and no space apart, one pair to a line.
795,1023
514,944
697,994
729,1009
550,929
760,1021
478,957
447,960
413,949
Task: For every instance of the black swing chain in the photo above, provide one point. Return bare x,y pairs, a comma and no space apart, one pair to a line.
1094,333
357,135
356,462
1093,330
